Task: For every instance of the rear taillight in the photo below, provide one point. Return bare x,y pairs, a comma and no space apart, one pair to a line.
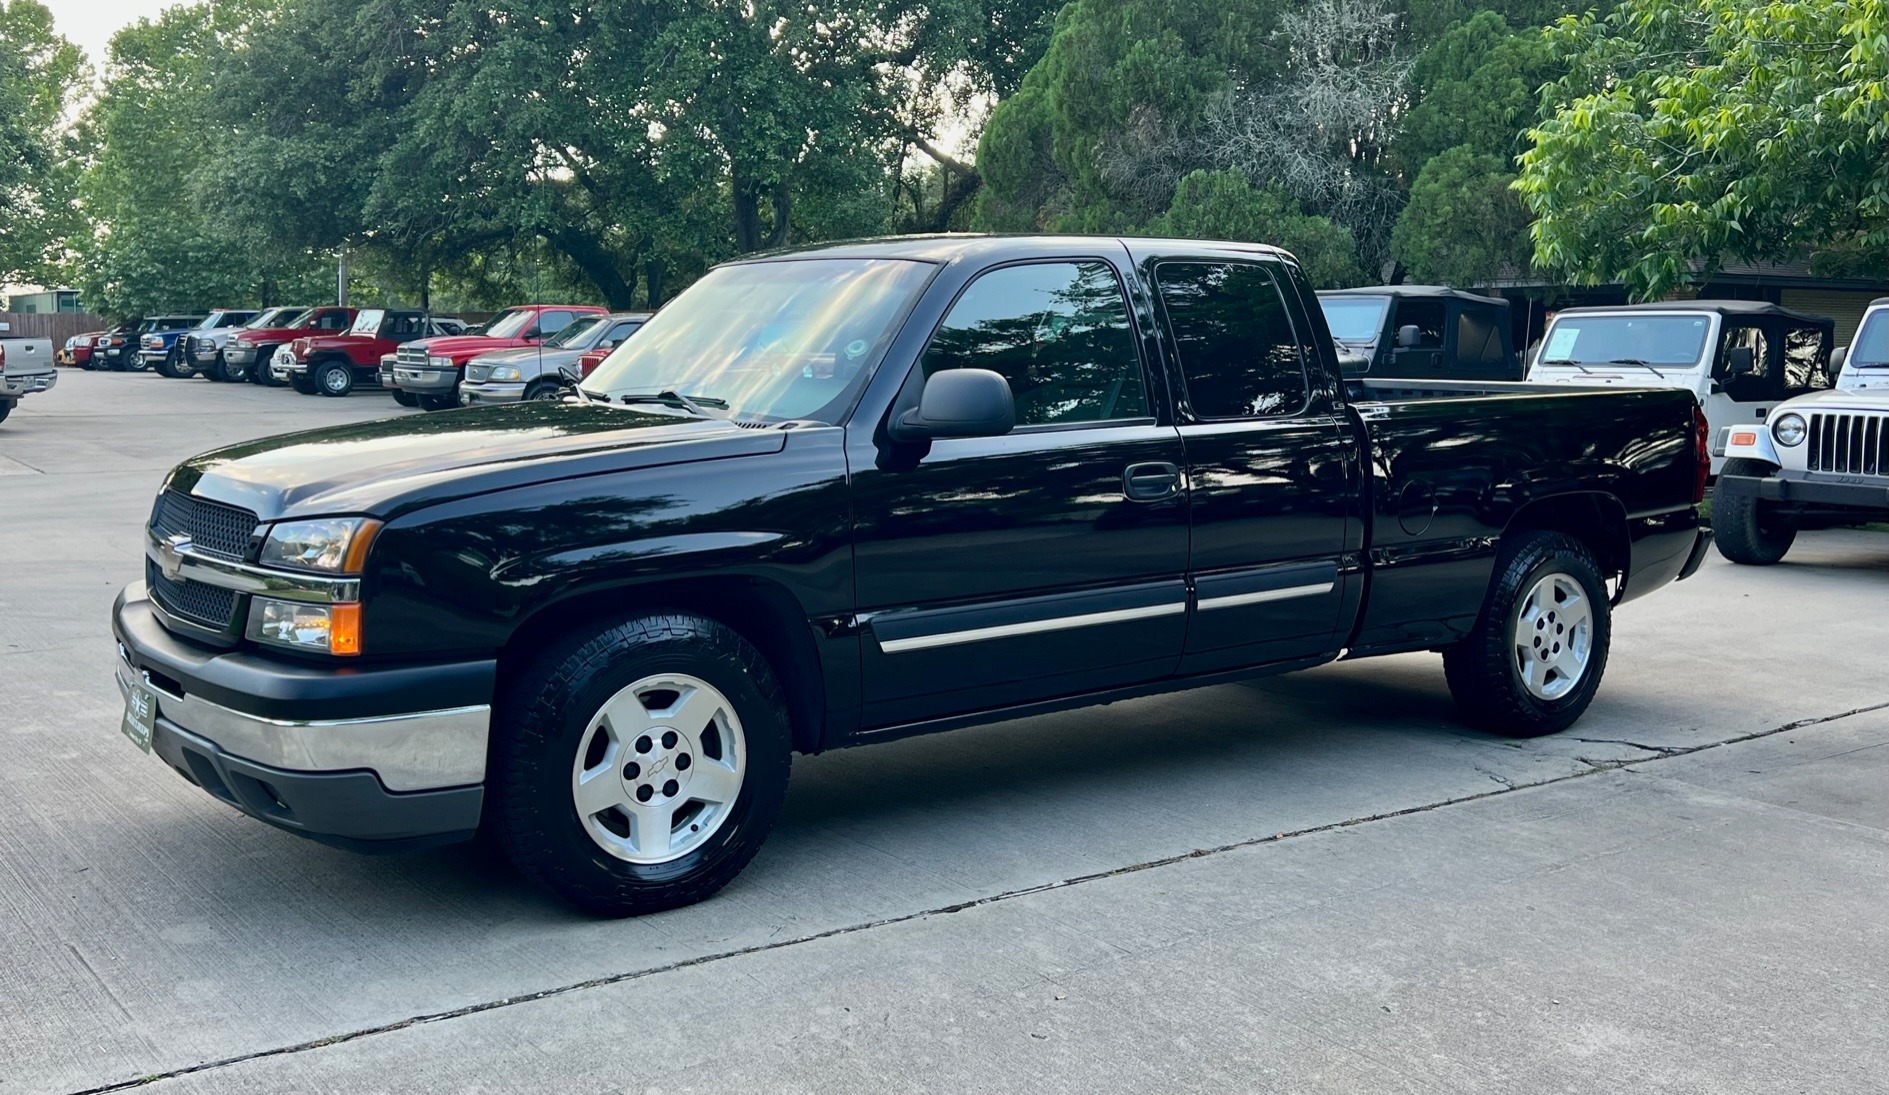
1702,452
3,358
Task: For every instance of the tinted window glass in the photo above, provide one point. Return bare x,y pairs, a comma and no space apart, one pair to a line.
550,323
1234,339
1426,316
1806,367
620,332
1478,337
1058,332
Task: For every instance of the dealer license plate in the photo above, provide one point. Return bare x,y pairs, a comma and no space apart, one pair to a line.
140,714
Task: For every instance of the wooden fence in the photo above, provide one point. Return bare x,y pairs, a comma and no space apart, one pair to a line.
57,326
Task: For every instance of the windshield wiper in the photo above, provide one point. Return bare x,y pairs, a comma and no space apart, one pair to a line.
673,398
1567,361
1637,361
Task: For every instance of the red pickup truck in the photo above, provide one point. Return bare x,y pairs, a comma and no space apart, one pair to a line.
247,355
428,373
333,363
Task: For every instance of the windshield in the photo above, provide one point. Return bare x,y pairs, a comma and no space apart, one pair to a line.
1871,350
769,341
576,334
272,317
367,321
507,324
1354,319
1601,339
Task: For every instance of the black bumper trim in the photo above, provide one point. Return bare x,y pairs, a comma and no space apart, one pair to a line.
1697,558
281,689
349,810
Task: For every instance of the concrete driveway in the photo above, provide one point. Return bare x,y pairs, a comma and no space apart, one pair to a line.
1308,884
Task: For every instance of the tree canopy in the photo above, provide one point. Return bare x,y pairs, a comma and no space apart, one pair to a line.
40,76
1689,131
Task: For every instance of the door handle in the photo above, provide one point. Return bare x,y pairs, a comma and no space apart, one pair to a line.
1151,482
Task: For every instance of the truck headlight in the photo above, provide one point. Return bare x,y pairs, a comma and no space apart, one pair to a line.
506,372
335,545
440,362
318,629
1789,430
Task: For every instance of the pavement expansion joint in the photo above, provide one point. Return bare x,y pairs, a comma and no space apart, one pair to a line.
1596,768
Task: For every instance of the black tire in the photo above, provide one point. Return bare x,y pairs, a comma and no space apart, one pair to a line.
1747,529
6,408
302,383
440,402
332,378
162,367
542,391
259,368
117,364
229,373
545,714
1485,672
405,398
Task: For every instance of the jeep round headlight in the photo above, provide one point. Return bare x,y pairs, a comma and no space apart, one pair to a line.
337,545
506,372
1789,430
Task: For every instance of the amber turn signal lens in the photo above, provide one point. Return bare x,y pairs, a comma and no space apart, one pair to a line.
1744,437
344,629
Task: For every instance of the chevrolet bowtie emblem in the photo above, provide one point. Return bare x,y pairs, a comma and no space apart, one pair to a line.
170,556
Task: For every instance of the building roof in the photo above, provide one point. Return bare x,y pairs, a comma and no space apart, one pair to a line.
1719,307
1437,291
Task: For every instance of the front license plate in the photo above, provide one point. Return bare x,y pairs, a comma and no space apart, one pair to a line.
140,714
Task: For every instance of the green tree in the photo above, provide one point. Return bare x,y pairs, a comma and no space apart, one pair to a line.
1464,224
1689,131
40,76
1223,204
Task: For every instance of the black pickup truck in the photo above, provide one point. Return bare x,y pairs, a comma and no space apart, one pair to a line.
847,493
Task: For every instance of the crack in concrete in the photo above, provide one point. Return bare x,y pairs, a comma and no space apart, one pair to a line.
962,906
1662,750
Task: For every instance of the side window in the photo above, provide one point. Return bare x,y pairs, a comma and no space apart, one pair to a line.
1426,316
620,332
550,323
1744,389
1058,332
1233,337
1806,366
1479,337
333,321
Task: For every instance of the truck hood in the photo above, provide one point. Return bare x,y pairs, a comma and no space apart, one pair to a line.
519,356
1837,400
258,335
392,466
461,347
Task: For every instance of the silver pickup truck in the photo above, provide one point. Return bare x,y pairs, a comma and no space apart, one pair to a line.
26,366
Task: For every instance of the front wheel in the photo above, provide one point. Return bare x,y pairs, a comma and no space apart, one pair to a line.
230,372
543,391
1535,658
335,378
440,402
405,398
1747,529
638,766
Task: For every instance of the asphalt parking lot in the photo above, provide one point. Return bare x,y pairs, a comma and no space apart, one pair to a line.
1316,883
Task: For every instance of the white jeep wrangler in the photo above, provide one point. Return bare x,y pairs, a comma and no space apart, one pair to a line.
1818,461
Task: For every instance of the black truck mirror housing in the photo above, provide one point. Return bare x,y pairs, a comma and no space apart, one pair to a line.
1408,336
1838,356
1740,361
959,403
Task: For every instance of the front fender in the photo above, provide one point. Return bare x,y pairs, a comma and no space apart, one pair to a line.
1746,443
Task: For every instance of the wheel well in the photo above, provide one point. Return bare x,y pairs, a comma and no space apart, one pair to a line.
1595,519
762,612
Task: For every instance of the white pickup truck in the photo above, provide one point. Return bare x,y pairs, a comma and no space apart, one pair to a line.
26,366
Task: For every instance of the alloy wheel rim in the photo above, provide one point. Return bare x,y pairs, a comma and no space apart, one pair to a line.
334,380
1554,636
658,768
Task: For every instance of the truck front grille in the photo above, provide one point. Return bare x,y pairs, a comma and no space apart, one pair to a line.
211,606
212,526
478,373
1849,444
410,355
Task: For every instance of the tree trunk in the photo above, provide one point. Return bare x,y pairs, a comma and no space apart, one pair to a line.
747,214
783,207
653,274
599,266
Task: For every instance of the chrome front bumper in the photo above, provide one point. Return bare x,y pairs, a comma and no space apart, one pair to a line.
491,391
424,381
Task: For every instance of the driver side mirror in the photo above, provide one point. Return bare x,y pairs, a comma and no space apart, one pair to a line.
1837,357
1741,361
959,403
1408,336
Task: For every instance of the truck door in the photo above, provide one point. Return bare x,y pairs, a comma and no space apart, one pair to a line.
1046,562
1271,466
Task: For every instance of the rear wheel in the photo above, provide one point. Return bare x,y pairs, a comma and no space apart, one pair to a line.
1535,658
639,766
405,398
6,408
334,378
1747,529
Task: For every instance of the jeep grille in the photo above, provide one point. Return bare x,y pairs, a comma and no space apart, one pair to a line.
1849,444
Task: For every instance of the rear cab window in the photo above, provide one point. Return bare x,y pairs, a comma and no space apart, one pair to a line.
1238,352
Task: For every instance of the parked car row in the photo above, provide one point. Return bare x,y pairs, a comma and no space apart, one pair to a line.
525,352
